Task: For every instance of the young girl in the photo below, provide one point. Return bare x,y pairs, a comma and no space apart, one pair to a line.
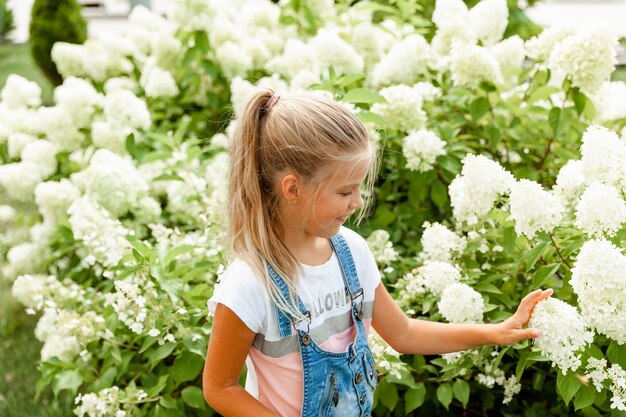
298,300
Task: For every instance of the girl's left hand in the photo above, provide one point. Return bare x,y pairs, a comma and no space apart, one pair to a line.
512,329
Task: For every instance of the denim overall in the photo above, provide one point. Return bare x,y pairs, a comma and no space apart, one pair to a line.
335,384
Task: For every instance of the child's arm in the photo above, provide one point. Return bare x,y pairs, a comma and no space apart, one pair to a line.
414,336
228,348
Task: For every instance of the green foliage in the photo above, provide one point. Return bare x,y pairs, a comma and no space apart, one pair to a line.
54,21
6,19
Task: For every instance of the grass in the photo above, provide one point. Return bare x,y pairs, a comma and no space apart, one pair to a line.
19,353
16,59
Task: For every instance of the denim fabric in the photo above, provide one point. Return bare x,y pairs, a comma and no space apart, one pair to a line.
335,384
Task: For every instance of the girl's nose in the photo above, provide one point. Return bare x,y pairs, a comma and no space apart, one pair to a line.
357,202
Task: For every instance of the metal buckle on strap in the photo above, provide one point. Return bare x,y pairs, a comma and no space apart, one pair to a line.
358,294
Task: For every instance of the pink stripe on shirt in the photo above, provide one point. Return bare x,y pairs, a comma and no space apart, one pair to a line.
280,379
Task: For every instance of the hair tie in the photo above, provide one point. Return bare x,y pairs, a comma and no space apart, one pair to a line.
270,103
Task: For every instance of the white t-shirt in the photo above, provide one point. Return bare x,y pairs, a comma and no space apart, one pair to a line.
274,364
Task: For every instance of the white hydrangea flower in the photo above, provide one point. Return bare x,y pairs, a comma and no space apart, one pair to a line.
510,54
381,247
489,19
108,402
421,149
562,333
19,92
113,182
479,176
58,125
41,154
297,56
599,280
234,59
368,39
157,82
541,46
440,244
570,182
108,136
93,60
587,57
617,375
124,109
460,303
192,14
534,209
8,215
472,64
131,301
437,276
427,91
448,13
102,236
65,333
40,291
603,156
403,109
120,83
79,98
601,209
511,387
54,198
404,63
19,180
330,49
610,101
16,142
27,258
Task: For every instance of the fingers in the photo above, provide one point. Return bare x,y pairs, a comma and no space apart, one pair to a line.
528,303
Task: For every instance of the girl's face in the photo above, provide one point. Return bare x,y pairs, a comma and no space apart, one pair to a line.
337,199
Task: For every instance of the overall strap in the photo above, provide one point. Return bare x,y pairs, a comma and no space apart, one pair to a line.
348,269
284,323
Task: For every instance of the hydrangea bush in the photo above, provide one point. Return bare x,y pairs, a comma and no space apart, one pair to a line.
503,170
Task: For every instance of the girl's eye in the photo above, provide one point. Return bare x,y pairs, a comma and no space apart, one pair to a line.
346,194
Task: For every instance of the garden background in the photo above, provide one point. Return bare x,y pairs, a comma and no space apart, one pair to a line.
111,198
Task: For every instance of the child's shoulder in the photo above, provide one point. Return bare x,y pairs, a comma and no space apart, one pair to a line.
239,272
354,240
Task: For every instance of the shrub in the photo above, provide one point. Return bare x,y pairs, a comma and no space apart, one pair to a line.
6,20
53,21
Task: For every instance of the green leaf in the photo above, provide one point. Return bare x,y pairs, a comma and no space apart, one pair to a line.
160,353
177,251
439,194
387,393
542,93
158,387
534,254
193,397
414,398
617,354
346,80
202,41
543,274
579,100
554,118
444,394
363,95
584,397
187,367
461,391
67,380
478,108
567,385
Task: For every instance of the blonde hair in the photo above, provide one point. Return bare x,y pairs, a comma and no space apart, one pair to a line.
302,133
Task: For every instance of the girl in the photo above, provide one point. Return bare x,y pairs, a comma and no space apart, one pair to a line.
298,300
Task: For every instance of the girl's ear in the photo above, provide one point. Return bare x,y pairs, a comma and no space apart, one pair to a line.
290,186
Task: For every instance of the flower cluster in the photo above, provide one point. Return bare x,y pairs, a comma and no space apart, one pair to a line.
132,300
381,247
460,303
598,278
421,149
387,360
109,402
562,333
598,372
533,208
